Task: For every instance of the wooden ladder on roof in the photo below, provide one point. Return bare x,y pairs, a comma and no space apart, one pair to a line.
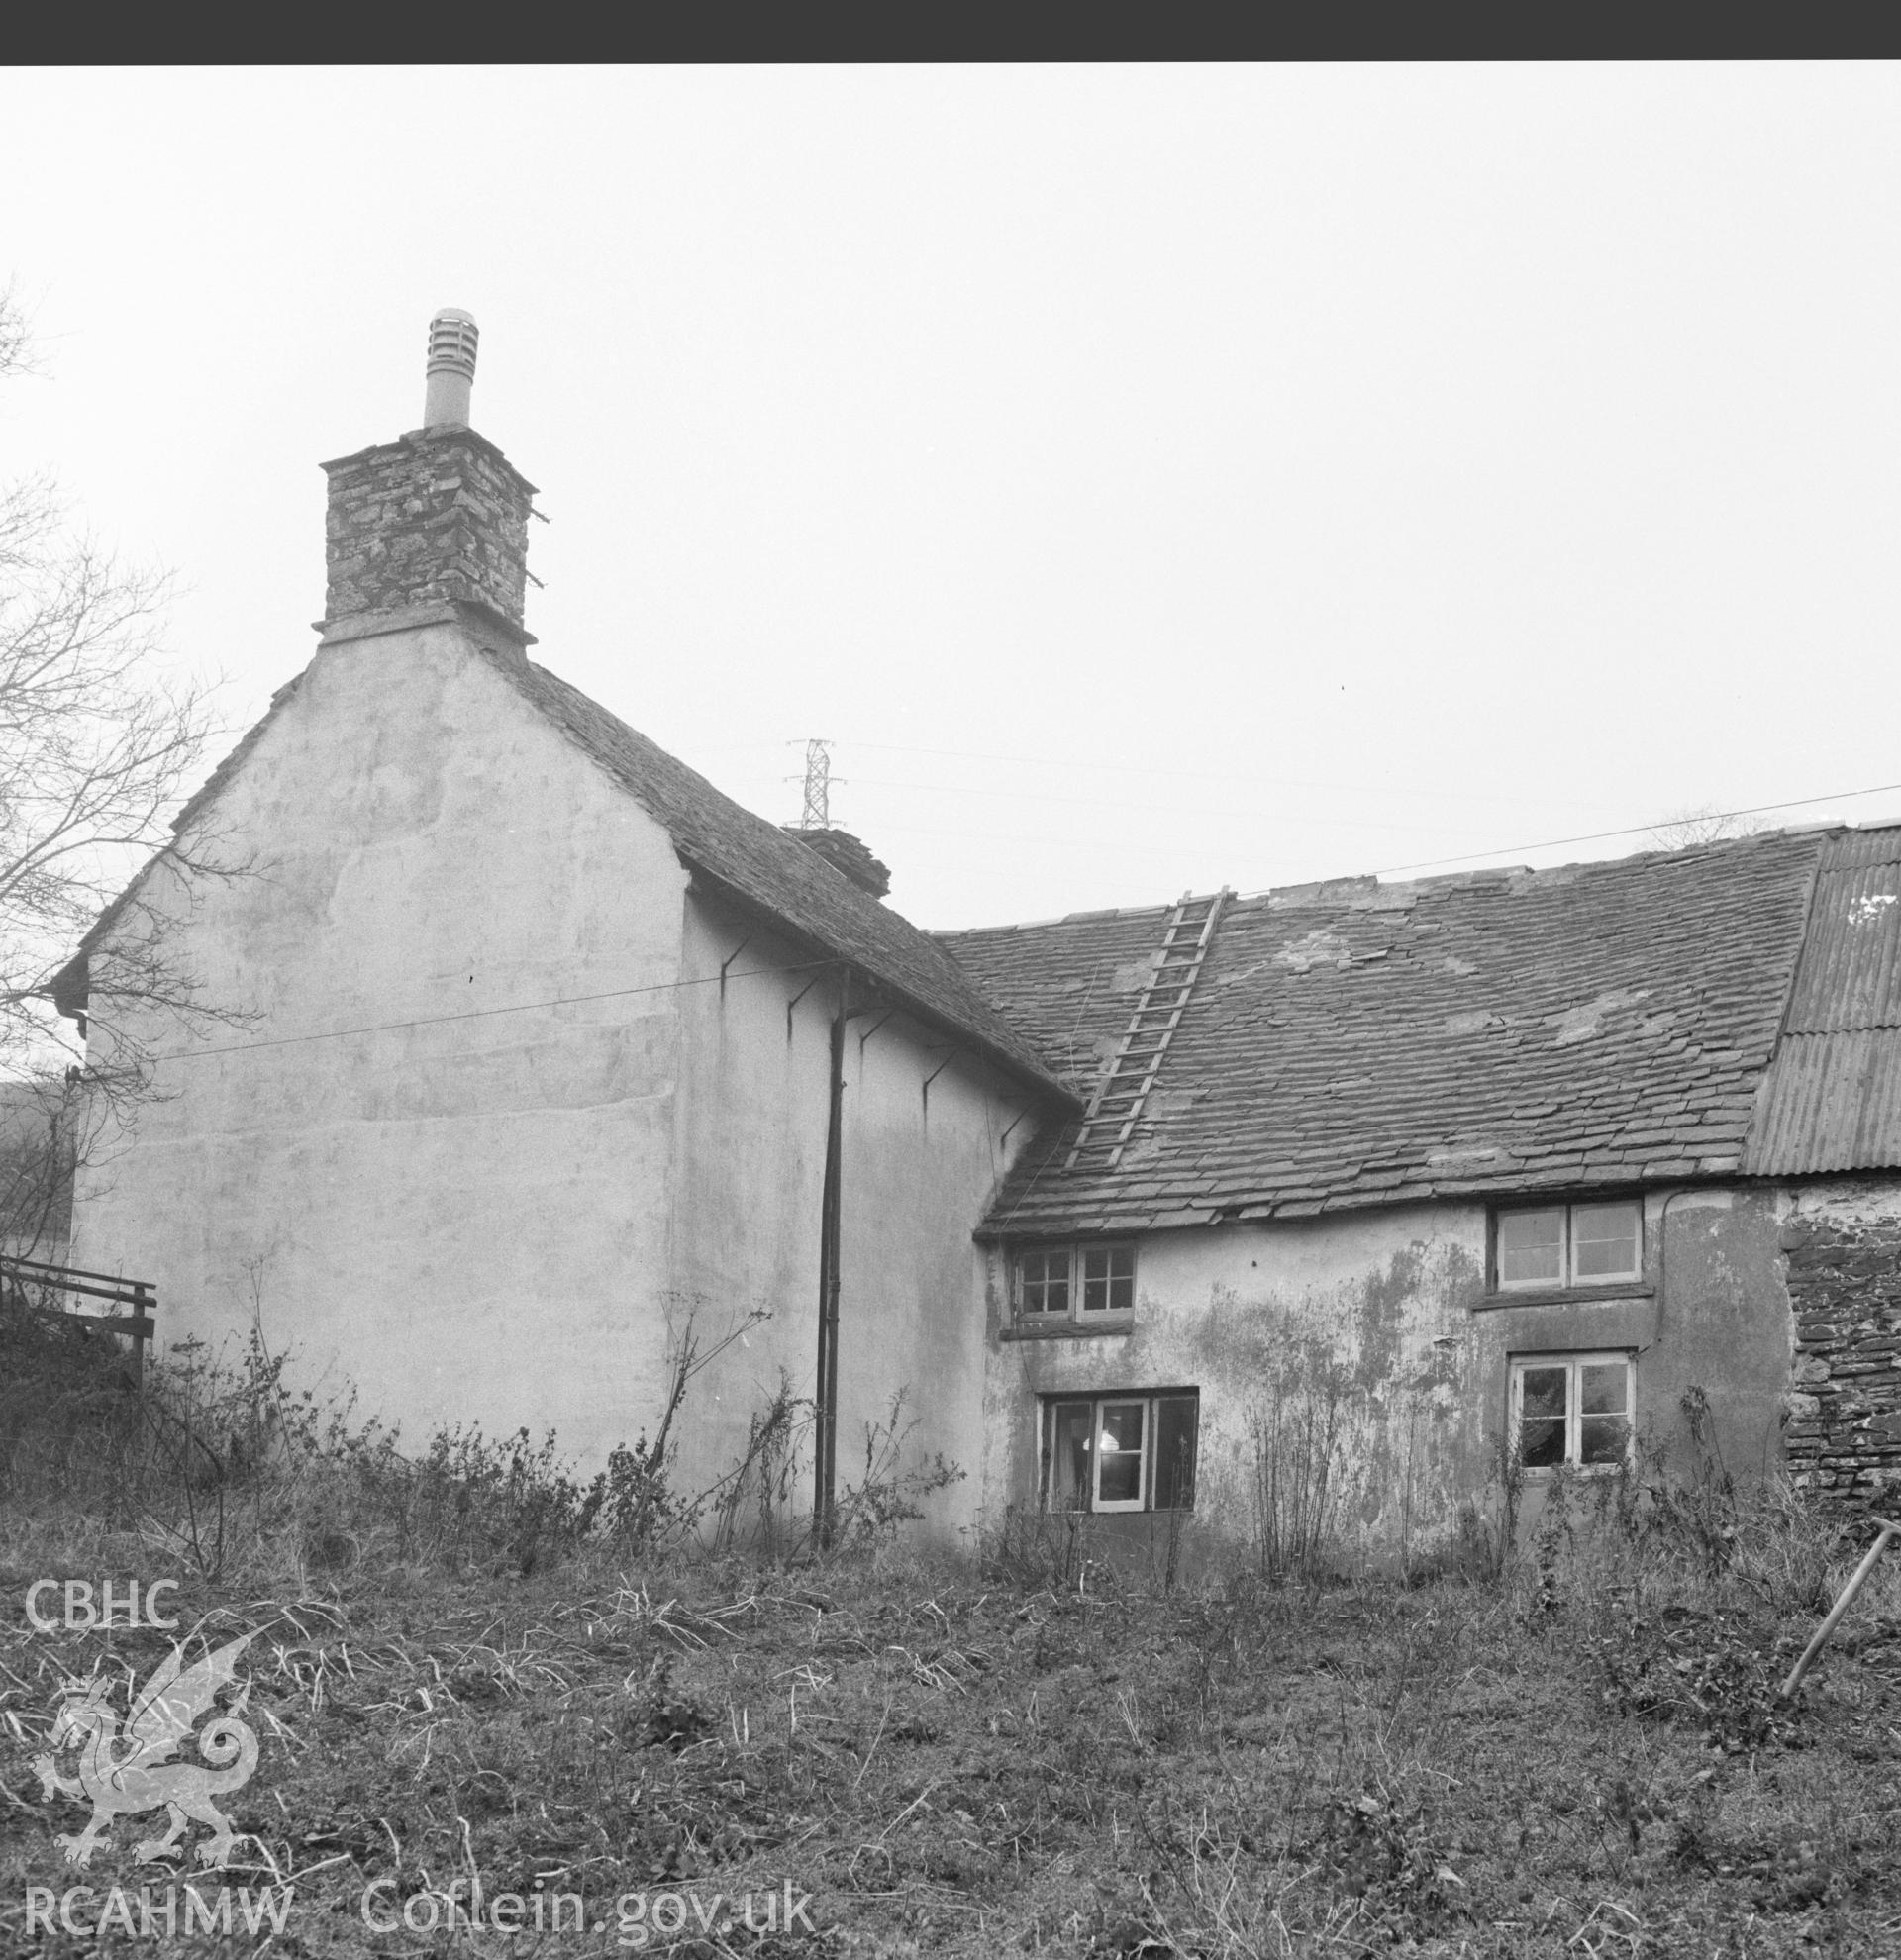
1116,1107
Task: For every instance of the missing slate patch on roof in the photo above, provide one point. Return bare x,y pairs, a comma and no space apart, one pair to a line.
1319,947
1581,1024
1472,1023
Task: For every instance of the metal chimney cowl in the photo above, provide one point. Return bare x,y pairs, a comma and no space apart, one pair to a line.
451,375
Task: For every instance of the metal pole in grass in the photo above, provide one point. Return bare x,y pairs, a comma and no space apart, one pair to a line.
1828,1627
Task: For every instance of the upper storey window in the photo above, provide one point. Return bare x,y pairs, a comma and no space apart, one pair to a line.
1556,1245
1084,1285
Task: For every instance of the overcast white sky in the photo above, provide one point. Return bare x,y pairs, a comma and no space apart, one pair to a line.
1149,478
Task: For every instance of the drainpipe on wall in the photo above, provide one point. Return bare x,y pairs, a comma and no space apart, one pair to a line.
1662,1268
826,1445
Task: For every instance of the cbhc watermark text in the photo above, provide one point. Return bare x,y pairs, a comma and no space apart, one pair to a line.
88,1606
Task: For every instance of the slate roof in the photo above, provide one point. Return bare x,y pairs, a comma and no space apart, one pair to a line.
1358,1043
750,858
1066,984
1832,1098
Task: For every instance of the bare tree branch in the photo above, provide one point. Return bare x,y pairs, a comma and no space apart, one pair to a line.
1705,825
17,356
97,744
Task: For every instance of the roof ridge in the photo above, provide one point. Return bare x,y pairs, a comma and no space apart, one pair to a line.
1328,890
1779,832
1064,919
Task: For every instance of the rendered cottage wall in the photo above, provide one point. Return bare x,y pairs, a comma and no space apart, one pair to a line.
1383,1317
464,1219
916,1172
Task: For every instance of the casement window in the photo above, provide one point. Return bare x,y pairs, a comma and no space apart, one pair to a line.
1120,1452
1086,1285
1559,1245
1571,1411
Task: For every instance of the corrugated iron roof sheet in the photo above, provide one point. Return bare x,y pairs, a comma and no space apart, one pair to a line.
1831,1100
1829,1103
1850,974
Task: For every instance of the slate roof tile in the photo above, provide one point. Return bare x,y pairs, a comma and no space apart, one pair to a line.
1066,984
1599,1025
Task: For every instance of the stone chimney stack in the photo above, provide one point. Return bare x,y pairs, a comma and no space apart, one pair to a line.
847,855
433,527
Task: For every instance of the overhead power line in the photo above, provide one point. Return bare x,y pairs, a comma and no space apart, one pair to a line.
1636,830
483,1014
1112,846
1124,770
809,966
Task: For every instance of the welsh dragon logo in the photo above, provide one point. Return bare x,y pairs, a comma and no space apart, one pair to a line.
130,1773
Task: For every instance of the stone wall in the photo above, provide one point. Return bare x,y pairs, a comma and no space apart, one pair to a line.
438,516
1844,1289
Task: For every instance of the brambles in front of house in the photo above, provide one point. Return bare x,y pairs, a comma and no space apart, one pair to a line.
1711,1672
220,1463
1385,1852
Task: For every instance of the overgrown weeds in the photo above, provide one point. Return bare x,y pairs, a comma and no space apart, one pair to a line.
218,1462
1042,1752
1297,1428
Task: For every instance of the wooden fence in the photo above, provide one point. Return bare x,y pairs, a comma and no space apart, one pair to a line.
130,1305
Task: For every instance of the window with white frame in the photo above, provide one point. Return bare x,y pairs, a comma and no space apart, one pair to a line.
1572,1411
1083,1285
1581,1244
1120,1452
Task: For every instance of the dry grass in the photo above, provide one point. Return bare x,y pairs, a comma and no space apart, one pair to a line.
1584,1757
949,1765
